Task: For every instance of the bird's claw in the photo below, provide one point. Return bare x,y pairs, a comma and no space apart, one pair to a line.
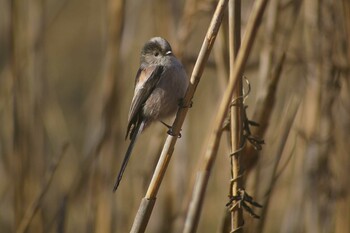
171,133
182,104
170,130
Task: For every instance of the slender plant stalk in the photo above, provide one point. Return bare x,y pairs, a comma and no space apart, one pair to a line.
145,209
346,7
210,155
181,114
220,55
267,52
287,123
322,90
108,94
107,128
236,183
35,204
266,101
236,114
187,22
28,137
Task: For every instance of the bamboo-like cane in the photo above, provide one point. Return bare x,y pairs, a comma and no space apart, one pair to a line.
147,203
236,183
210,155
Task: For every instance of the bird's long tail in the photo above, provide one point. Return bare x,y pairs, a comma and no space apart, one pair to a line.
137,131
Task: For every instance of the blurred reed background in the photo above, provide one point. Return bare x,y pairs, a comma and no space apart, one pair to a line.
67,73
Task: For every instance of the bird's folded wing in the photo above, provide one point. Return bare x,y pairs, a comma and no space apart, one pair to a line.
148,79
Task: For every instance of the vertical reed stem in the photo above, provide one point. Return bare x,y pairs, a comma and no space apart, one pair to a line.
236,109
145,210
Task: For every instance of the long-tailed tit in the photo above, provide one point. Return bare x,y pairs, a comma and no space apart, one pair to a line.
160,85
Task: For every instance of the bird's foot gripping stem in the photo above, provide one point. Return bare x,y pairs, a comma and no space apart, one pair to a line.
170,130
182,104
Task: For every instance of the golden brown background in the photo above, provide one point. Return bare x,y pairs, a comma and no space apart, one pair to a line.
67,72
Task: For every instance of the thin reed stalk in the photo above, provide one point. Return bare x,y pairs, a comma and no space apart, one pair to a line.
108,128
36,203
107,100
28,137
220,55
210,154
145,209
268,94
287,122
236,108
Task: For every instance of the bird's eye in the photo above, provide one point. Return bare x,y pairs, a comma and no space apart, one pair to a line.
156,54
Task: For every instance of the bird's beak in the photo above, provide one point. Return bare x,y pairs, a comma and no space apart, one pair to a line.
168,52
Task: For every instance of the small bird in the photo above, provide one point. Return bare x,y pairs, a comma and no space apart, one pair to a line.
160,85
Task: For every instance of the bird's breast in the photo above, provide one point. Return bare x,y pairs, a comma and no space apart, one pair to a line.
164,100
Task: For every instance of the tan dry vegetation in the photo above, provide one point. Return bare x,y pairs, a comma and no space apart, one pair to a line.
67,72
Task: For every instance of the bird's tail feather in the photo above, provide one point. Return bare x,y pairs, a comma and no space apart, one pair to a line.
137,131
